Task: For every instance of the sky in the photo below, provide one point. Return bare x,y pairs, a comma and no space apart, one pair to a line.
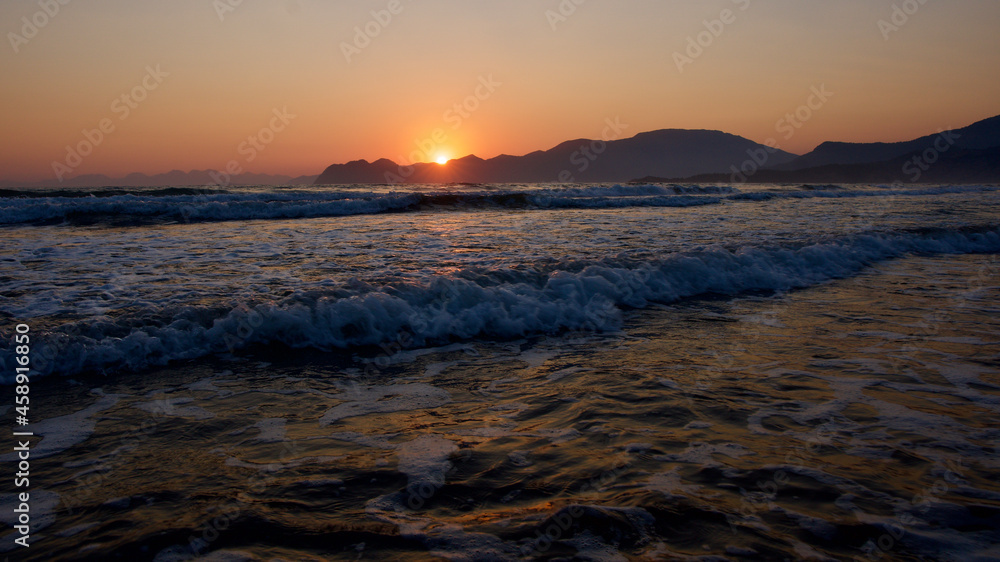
292,86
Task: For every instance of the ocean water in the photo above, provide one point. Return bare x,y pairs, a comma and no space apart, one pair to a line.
508,372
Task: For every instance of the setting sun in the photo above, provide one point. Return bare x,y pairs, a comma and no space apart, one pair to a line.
674,247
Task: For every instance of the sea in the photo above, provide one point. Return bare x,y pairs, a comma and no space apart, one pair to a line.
502,372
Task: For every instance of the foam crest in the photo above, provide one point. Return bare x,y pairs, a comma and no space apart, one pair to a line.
498,304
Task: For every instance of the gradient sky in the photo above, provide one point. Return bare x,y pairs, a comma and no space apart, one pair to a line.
608,59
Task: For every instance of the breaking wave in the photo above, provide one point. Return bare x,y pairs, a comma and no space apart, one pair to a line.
177,205
577,295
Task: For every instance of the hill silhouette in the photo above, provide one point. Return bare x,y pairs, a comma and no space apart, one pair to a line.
672,152
967,155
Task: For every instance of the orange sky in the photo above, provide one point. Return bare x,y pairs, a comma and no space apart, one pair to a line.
524,76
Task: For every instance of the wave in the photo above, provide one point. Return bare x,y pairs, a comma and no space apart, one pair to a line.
109,192
175,205
184,205
145,209
632,190
570,296
809,192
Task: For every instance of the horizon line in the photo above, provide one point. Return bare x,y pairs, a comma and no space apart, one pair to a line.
46,180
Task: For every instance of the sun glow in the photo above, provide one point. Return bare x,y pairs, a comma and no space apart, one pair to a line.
442,159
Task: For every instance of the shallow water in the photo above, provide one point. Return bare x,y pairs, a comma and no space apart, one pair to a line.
108,297
788,379
765,425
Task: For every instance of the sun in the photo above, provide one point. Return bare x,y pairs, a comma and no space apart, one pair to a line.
442,159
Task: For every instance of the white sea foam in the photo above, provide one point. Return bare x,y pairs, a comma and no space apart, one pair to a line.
43,509
386,399
63,432
502,304
213,206
141,208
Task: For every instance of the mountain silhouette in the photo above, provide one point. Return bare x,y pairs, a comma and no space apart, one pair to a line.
668,152
967,155
978,136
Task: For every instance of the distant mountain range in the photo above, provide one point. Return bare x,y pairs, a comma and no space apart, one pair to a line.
668,152
175,178
967,155
979,136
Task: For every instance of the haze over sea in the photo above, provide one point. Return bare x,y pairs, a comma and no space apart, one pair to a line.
505,372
